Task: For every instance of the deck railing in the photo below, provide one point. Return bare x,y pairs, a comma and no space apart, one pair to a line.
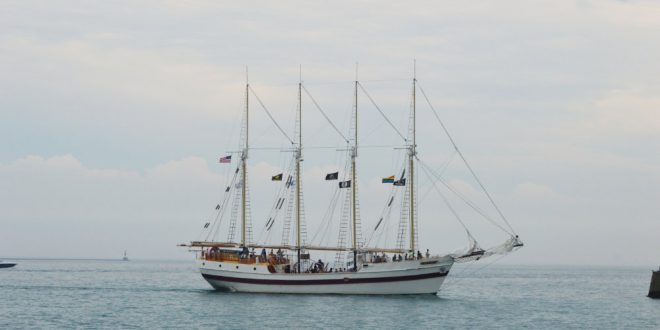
232,257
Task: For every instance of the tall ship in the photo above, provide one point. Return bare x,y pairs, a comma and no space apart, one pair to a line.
231,259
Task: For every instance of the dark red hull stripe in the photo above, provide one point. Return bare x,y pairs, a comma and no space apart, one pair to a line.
329,281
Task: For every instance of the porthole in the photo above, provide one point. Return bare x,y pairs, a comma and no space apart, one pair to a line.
255,268
236,267
203,263
220,265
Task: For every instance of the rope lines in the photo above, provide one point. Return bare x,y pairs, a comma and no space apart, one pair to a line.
324,114
269,115
279,200
381,112
462,197
474,175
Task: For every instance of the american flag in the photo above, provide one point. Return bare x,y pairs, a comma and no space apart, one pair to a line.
225,160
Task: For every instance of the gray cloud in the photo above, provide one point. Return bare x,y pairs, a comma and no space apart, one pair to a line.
125,105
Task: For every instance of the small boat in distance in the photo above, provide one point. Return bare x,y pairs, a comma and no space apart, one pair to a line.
6,264
125,258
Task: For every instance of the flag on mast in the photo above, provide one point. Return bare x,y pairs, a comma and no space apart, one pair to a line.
332,176
225,160
389,179
345,184
277,177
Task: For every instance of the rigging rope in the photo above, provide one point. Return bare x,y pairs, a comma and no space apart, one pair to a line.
269,115
326,223
453,211
381,112
385,216
468,202
323,113
217,222
465,160
280,198
460,279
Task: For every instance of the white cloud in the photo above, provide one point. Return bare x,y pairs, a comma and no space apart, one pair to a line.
535,192
624,113
169,80
59,195
554,103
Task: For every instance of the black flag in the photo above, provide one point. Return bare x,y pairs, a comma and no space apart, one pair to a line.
277,177
345,184
332,176
378,224
228,187
217,207
401,182
206,225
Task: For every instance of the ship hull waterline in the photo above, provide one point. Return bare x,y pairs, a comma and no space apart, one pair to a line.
388,279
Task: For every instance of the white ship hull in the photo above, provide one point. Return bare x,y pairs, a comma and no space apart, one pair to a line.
407,277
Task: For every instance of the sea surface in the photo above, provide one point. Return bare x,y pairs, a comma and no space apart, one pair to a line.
40,294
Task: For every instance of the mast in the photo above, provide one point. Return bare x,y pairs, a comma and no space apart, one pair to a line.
244,156
411,156
298,160
353,181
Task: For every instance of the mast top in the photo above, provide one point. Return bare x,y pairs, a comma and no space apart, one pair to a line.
414,69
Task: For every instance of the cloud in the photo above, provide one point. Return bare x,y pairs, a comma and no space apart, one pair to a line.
623,114
60,195
535,192
173,82
554,105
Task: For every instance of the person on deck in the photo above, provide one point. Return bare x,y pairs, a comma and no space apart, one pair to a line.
419,255
263,255
428,254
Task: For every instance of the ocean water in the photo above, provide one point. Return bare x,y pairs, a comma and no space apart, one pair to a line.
171,294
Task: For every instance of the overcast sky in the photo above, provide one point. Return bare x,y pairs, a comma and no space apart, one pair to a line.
113,115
